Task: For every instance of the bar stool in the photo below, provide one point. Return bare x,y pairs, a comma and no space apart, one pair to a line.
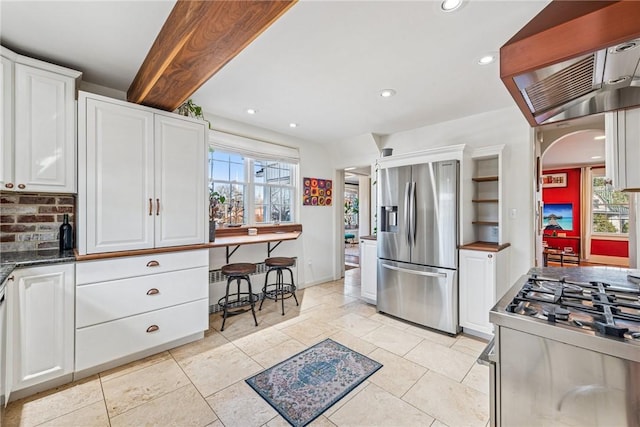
279,289
238,272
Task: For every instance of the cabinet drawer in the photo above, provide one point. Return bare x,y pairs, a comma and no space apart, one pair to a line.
121,268
109,341
106,301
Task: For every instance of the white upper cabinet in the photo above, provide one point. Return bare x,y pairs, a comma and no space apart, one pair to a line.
39,130
6,112
119,178
180,166
622,129
142,177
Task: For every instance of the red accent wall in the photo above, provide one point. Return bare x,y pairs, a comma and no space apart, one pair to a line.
610,248
571,194
568,194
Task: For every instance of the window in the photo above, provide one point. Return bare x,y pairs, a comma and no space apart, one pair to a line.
609,207
251,191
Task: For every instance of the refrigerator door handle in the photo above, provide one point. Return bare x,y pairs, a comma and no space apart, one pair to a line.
419,273
407,213
413,212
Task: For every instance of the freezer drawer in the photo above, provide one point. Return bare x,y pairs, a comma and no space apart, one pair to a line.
424,295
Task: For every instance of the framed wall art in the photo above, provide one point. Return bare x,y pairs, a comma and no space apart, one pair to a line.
317,192
554,180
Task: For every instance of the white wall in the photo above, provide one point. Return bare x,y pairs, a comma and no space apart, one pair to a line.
315,248
506,126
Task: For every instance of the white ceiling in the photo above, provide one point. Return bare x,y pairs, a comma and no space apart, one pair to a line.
321,65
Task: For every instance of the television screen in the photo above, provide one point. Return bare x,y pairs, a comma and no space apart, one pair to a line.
557,216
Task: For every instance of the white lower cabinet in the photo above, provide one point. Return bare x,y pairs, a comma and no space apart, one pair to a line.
40,344
368,270
483,278
133,304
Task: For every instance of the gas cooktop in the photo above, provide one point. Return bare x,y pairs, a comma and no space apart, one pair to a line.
600,308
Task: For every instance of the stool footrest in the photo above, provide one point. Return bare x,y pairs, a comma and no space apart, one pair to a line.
285,291
238,300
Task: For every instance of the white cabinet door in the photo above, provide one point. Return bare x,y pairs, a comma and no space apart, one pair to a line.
623,148
41,324
368,270
6,132
477,289
45,131
180,183
118,191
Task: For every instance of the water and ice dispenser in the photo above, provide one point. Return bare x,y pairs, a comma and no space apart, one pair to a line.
389,219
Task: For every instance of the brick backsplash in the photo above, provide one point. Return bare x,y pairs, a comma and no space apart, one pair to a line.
32,221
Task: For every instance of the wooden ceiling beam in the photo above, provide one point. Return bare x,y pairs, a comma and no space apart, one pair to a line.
196,41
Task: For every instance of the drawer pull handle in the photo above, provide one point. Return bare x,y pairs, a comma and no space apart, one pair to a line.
8,185
22,186
10,279
150,207
157,206
153,291
153,328
153,264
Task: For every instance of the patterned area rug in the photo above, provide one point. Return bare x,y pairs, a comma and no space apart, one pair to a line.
305,385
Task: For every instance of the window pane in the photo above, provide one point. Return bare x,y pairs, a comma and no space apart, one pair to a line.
609,208
259,172
236,172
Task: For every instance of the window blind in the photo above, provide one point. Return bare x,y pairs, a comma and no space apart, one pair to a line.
252,147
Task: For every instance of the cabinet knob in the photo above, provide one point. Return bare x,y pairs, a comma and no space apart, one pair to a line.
153,328
153,291
489,256
9,185
153,263
21,186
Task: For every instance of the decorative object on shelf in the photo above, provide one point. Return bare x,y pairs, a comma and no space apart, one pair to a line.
319,376
554,180
317,192
236,213
557,216
191,109
216,200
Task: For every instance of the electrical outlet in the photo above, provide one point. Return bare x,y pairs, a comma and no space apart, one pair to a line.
494,232
513,213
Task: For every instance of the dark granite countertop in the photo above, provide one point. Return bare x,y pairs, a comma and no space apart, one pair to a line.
611,275
11,260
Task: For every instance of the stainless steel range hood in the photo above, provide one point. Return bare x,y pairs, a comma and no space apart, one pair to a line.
573,59
605,80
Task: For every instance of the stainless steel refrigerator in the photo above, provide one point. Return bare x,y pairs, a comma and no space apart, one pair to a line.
418,242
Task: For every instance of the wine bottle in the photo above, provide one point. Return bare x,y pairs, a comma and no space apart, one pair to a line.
66,234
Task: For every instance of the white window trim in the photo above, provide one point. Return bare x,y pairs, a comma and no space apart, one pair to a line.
590,234
260,150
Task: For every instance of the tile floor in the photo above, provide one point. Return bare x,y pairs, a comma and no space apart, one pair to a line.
428,379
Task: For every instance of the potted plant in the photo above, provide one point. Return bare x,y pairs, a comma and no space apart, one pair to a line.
216,200
191,109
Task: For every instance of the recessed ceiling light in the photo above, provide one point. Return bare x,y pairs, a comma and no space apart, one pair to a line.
251,111
599,137
487,59
387,93
293,125
596,157
450,5
350,169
